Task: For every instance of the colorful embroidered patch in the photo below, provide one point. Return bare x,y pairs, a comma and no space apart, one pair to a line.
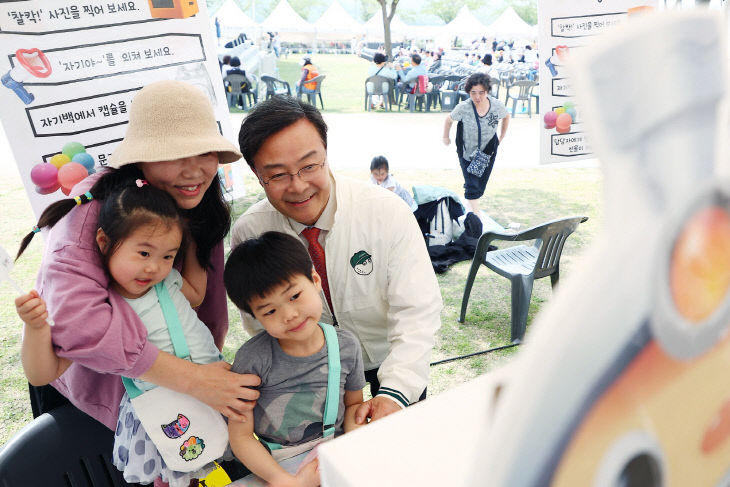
177,428
192,448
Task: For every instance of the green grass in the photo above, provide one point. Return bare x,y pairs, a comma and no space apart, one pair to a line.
342,89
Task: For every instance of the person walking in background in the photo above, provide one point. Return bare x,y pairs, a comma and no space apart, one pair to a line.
479,117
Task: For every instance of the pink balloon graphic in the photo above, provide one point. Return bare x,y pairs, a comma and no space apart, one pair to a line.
71,174
562,123
45,177
550,118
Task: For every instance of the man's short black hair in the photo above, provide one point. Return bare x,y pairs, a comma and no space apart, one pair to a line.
256,266
379,57
271,116
416,59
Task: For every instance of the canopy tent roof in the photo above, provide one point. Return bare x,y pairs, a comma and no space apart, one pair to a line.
465,25
232,20
374,27
336,23
284,19
511,25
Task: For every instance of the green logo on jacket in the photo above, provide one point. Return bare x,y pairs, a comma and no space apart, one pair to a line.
362,262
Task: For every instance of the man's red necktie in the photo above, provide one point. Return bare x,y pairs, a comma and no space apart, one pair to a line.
316,251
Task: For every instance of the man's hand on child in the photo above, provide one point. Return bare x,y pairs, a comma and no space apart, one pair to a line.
32,310
374,409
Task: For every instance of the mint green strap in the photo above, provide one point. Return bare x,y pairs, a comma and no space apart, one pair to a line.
332,403
179,344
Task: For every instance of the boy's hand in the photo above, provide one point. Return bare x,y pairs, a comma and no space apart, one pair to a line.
32,310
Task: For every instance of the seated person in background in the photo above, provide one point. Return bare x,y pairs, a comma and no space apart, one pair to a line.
309,71
487,68
272,277
235,68
381,68
436,64
409,79
380,175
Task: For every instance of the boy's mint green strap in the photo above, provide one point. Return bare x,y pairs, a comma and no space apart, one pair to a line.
332,402
179,344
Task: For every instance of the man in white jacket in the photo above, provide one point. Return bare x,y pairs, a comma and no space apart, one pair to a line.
381,283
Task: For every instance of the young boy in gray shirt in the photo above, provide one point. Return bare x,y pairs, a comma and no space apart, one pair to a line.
272,278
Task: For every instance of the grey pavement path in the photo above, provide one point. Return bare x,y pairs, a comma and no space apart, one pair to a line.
408,140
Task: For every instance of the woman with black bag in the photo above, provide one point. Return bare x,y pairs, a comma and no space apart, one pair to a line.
476,135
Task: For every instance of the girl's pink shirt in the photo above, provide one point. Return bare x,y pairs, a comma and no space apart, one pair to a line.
94,326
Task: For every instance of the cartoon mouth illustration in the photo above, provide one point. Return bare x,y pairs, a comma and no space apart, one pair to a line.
33,63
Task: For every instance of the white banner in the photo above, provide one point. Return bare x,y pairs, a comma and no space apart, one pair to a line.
70,68
565,27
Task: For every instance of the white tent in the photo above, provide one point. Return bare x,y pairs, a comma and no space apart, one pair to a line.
509,25
233,21
465,25
336,24
374,27
289,24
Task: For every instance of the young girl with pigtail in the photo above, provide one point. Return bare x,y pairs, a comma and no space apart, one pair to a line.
173,142
140,235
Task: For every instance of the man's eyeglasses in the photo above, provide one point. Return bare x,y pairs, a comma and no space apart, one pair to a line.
307,173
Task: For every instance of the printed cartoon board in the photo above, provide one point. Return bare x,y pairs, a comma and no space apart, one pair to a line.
565,27
69,70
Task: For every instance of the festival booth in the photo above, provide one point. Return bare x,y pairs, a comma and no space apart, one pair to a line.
510,26
289,24
374,28
622,379
465,26
233,21
336,24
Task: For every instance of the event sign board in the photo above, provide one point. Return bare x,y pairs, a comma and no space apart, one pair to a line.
70,69
565,27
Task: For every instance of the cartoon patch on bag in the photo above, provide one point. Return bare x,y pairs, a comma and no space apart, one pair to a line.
177,428
192,448
362,262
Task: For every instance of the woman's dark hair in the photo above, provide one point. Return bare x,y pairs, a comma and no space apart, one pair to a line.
475,79
227,59
235,62
257,266
271,116
129,208
379,57
378,162
487,59
208,223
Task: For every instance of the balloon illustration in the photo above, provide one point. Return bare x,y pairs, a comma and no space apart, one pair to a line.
64,170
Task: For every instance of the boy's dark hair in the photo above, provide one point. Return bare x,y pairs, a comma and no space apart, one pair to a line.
256,266
235,62
478,79
271,116
209,222
378,162
126,209
416,59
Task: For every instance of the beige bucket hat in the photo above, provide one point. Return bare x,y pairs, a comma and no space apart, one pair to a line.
171,120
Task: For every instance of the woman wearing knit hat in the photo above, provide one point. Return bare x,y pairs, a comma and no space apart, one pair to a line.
172,143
